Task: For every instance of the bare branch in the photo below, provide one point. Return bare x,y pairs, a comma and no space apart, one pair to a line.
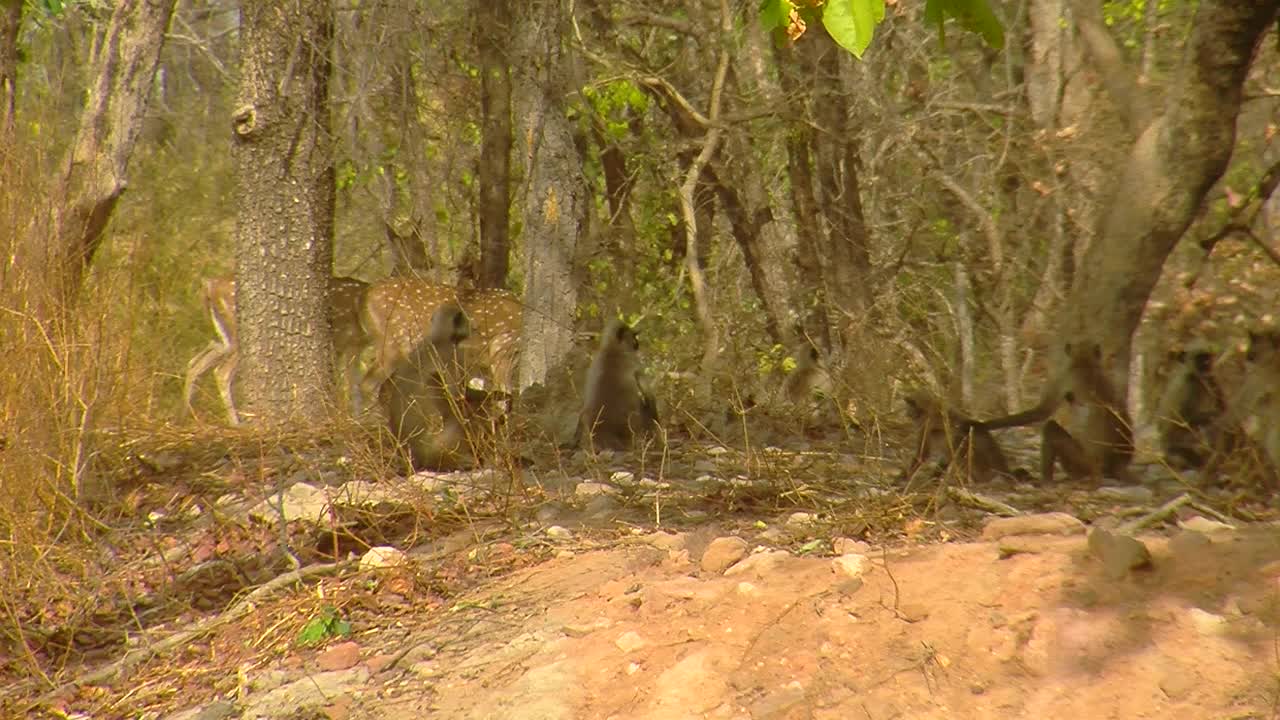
1119,79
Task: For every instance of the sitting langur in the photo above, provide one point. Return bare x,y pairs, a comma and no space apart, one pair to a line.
1190,411
617,406
1097,440
1256,407
431,382
949,437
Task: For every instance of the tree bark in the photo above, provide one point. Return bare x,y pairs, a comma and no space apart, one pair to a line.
555,202
284,231
1173,164
92,175
495,143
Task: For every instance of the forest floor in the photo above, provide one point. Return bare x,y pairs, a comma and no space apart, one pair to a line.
790,585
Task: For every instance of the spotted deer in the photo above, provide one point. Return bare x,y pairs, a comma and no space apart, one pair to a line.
397,315
222,355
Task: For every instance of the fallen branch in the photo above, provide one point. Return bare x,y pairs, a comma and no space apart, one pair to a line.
116,670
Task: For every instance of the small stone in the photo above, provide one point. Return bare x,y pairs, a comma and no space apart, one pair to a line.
378,662
1119,553
1054,523
746,588
578,630
1206,623
339,657
220,710
759,564
425,669
383,556
722,553
799,519
1204,525
1135,494
716,451
592,489
913,612
851,566
666,541
622,476
629,641
556,532
849,546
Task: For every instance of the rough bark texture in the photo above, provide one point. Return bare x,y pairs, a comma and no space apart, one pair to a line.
495,142
93,172
555,199
1173,164
10,23
284,233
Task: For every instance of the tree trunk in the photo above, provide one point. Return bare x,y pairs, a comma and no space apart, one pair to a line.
495,143
10,24
284,231
93,171
1176,160
555,202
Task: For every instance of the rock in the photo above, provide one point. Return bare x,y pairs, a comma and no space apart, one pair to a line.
759,564
1204,525
1055,523
555,532
378,662
746,588
339,657
670,542
309,693
849,546
1119,553
622,476
801,519
629,641
1135,494
716,451
850,566
913,612
301,502
579,630
722,553
1206,623
592,489
383,556
220,710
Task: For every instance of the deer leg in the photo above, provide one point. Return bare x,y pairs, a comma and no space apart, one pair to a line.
212,355
225,375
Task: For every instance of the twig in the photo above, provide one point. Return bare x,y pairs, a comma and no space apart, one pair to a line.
1159,514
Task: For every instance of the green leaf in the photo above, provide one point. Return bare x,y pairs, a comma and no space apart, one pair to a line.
774,14
852,23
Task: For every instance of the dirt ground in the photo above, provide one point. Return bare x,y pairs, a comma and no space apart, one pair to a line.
592,607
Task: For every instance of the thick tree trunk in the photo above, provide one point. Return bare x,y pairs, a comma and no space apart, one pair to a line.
495,141
284,231
93,171
1173,164
555,200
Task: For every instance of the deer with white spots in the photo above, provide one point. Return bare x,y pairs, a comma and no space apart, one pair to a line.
222,355
396,316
